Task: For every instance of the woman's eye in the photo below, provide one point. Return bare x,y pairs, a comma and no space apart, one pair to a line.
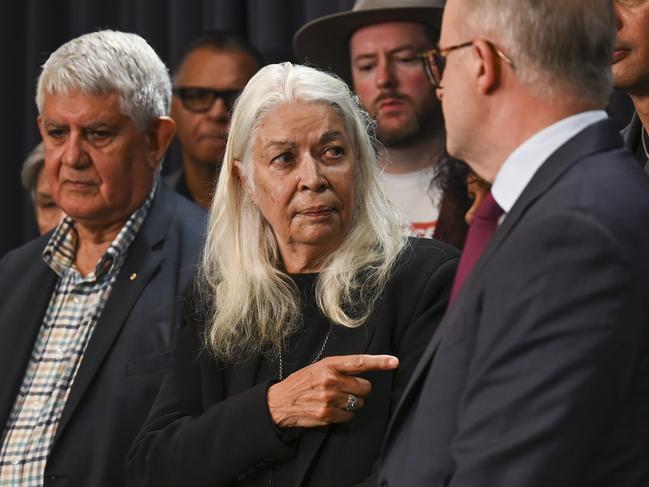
334,152
283,159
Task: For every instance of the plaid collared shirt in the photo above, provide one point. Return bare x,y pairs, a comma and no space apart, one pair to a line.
73,311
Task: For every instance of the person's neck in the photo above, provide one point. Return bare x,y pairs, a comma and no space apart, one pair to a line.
92,243
423,153
520,120
641,104
201,181
303,258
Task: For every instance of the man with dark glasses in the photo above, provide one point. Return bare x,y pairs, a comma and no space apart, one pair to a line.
214,70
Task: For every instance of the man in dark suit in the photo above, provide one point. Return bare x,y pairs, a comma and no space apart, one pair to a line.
89,312
631,71
539,373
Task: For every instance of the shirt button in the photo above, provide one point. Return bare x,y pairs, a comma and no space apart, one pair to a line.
60,353
15,461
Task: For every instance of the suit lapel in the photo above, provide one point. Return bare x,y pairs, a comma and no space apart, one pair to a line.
601,136
342,341
20,328
144,258
598,137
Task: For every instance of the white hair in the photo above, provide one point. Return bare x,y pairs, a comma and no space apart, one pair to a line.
109,61
253,305
554,46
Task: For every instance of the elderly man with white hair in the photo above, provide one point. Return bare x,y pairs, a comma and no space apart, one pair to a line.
89,313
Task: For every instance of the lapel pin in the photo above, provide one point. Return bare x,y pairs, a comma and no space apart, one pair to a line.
133,276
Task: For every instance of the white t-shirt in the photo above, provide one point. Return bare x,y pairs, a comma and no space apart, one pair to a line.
417,198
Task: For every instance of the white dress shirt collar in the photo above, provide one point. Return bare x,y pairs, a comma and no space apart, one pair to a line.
521,165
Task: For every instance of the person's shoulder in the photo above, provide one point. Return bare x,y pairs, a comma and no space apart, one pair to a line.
25,257
189,210
424,256
428,249
185,212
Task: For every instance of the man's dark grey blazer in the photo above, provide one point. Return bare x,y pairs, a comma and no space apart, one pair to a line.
129,349
539,375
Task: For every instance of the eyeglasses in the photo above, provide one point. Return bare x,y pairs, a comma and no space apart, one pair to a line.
200,100
435,60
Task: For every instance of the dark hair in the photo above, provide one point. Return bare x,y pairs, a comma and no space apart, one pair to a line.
451,225
222,41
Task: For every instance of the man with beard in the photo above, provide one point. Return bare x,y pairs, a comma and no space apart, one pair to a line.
374,48
631,71
214,70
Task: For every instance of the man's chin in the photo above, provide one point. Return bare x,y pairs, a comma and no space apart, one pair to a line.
396,138
208,158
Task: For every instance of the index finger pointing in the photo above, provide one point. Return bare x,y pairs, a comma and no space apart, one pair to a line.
356,364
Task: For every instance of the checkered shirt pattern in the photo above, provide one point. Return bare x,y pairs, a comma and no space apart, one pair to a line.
73,311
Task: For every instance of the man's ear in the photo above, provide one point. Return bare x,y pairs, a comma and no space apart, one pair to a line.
239,172
159,135
41,129
488,66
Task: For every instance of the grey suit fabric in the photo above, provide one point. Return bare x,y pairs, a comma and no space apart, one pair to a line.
128,352
539,373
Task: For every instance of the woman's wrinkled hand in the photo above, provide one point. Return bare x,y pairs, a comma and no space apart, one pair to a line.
319,394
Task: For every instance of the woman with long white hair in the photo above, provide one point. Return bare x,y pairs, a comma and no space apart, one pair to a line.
311,308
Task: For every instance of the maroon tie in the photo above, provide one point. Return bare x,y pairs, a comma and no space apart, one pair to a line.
485,224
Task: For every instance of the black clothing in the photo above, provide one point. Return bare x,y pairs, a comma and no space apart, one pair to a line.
210,425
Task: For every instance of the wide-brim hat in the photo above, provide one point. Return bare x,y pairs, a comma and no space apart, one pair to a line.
324,42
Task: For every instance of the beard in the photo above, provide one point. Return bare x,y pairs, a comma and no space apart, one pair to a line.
424,121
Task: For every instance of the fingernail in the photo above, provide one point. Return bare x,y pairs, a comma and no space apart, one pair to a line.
394,361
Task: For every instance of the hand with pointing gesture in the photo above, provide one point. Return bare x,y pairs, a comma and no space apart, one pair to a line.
321,393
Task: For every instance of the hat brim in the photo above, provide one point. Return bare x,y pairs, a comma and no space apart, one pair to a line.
324,42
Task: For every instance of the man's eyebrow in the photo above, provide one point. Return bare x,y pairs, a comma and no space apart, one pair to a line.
365,56
407,47
101,124
391,52
52,123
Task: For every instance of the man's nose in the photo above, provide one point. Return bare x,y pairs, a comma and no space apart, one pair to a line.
219,110
385,76
73,152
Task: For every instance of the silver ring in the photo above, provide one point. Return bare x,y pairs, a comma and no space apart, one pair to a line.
352,400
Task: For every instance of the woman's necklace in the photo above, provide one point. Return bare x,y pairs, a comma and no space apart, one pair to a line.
644,144
315,359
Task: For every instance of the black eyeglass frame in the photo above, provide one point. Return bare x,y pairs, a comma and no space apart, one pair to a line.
434,60
228,97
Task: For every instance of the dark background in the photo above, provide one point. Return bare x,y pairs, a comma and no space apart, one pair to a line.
31,29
